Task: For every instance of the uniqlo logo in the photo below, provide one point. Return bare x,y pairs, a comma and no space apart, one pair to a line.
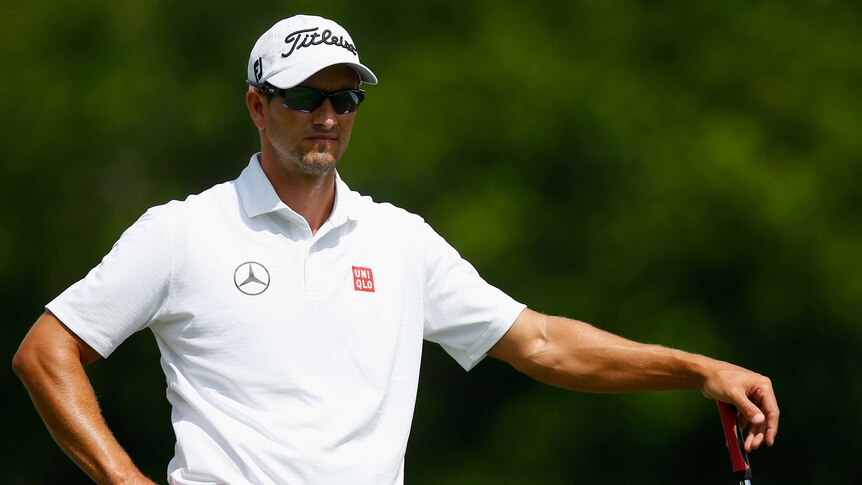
363,279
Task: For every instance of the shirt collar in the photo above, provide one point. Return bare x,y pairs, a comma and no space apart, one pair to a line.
258,196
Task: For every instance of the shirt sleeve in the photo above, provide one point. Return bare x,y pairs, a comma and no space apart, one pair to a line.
463,313
127,290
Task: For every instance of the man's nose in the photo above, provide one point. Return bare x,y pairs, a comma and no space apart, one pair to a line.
325,115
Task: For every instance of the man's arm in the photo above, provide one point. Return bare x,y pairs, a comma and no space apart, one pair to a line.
50,362
575,355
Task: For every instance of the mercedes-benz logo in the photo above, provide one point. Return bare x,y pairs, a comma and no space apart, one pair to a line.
251,278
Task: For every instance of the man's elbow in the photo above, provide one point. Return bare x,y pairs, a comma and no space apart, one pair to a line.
48,349
39,355
24,362
553,360
538,358
532,349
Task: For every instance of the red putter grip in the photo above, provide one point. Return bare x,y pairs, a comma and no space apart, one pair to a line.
734,440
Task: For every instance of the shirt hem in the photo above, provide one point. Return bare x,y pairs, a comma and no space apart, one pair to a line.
80,328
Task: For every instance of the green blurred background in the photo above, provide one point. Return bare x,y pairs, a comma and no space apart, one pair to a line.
684,173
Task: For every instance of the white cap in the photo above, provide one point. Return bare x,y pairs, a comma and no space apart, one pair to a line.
297,47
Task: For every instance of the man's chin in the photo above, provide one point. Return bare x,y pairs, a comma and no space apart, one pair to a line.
318,163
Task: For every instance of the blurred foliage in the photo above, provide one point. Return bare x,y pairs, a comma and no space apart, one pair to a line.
684,173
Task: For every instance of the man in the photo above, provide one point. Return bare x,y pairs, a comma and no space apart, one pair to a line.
290,312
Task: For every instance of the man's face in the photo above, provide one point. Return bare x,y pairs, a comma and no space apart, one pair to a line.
310,143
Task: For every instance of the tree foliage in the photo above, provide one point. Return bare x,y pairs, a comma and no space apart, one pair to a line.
684,173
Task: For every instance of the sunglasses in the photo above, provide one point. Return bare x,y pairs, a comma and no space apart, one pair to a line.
306,100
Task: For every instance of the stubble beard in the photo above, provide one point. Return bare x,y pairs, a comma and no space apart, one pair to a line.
316,162
304,160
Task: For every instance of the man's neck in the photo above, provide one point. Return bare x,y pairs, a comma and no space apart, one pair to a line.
310,195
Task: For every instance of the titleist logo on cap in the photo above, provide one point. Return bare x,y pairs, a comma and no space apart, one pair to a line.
312,38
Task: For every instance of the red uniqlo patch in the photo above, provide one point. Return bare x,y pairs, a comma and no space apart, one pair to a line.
363,279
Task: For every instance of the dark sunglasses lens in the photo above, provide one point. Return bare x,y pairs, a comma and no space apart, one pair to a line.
346,101
303,99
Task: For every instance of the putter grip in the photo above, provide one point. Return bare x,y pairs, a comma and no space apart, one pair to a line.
734,440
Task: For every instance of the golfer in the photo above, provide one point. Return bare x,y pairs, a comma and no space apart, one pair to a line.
290,311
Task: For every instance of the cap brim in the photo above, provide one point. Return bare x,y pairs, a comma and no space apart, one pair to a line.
300,72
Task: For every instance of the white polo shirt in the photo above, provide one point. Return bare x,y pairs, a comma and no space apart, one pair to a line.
289,358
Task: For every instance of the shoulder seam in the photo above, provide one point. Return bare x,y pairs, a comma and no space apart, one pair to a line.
174,226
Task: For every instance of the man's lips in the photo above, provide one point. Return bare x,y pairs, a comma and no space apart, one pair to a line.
322,138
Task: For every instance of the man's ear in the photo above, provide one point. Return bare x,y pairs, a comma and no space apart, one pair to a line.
256,107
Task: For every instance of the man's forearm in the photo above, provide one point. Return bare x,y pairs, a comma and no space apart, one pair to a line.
53,372
576,355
